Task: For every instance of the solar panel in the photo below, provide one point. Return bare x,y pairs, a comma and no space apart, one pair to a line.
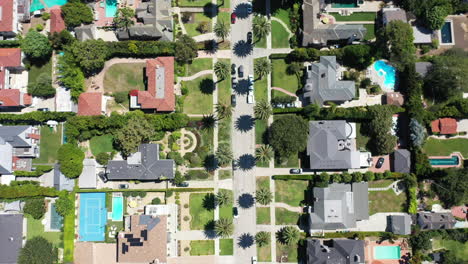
128,235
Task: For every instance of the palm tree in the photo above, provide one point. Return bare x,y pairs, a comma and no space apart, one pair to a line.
221,69
124,18
294,68
263,196
223,110
224,154
224,227
288,235
208,121
221,29
223,197
261,27
262,67
264,153
262,110
262,238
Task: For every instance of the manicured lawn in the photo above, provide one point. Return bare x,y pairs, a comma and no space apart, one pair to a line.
261,127
285,217
192,27
225,174
201,247
49,144
224,131
357,16
281,79
199,65
289,252
124,77
261,88
200,216
264,253
200,97
35,71
69,234
263,215
291,192
380,183
386,201
260,43
445,147
224,87
224,3
199,3
459,249
291,162
361,138
225,211
102,143
35,228
279,35
370,35
226,247
283,14
263,182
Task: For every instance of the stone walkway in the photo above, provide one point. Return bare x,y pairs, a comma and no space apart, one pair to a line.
205,37
284,91
196,75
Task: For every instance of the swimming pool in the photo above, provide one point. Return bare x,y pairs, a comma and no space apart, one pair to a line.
446,33
387,252
388,72
93,214
37,5
117,208
56,220
453,160
111,8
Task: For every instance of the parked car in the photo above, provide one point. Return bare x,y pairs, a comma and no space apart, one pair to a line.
254,260
234,82
249,9
123,186
249,37
233,100
251,79
233,69
43,109
295,171
235,212
380,162
183,184
233,18
250,97
240,71
234,165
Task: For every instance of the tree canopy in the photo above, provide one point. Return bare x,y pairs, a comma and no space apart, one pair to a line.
124,18
35,207
90,54
70,158
36,46
137,130
396,42
64,205
357,56
186,48
76,13
37,251
432,13
452,186
261,27
379,127
42,87
288,135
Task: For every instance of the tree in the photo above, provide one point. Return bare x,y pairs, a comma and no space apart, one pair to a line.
287,135
71,75
76,13
288,235
208,121
90,54
451,187
396,41
221,29
417,133
421,241
223,110
449,257
262,67
263,110
435,17
36,46
42,87
369,176
178,178
379,128
264,153
124,18
263,196
322,180
138,130
186,48
346,177
262,238
61,39
261,27
224,154
64,205
388,236
35,207
221,69
357,56
156,200
37,250
224,227
294,68
70,158
224,197
103,158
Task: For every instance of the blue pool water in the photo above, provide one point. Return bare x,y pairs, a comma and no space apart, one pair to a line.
387,252
37,5
111,8
446,32
117,208
388,71
93,216
453,160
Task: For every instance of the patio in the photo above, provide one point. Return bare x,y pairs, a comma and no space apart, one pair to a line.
370,247
385,165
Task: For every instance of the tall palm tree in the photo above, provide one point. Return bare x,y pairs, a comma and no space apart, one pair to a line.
262,238
223,197
261,27
288,235
224,227
262,67
208,121
224,154
221,69
223,110
221,29
263,196
264,153
263,110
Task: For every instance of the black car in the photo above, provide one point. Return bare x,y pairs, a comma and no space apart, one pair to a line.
233,100
249,37
241,71
235,212
43,109
233,69
183,184
380,162
123,186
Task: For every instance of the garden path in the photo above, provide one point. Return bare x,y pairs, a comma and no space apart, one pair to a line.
176,10
184,199
220,54
288,207
284,91
205,37
196,75
191,137
284,25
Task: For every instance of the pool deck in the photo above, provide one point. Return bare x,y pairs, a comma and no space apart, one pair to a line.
372,74
369,252
458,154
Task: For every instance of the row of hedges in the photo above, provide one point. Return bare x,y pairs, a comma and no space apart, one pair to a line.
359,235
147,190
40,170
9,43
359,113
34,118
342,177
140,49
26,190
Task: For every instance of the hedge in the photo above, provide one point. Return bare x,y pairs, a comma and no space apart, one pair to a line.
354,234
412,200
304,177
26,190
310,177
148,190
9,43
40,170
34,118
144,49
288,110
279,56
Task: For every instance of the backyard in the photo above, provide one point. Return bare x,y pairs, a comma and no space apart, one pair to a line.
102,143
386,201
201,247
280,78
370,35
291,192
201,210
36,228
124,77
357,16
194,22
361,138
49,144
459,249
445,147
199,99
37,70
279,35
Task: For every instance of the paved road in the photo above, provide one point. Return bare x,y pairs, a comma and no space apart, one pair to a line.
243,136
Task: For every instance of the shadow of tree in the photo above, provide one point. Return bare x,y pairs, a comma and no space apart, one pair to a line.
246,162
246,200
211,163
245,240
242,48
209,231
211,46
241,10
207,86
209,201
242,87
210,10
245,123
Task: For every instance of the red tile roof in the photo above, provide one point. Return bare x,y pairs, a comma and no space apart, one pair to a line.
10,97
6,16
10,57
148,99
444,126
27,99
89,104
57,24
394,98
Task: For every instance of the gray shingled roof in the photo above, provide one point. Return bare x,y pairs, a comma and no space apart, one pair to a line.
12,135
430,221
322,84
11,237
340,251
60,181
402,161
400,224
144,165
85,32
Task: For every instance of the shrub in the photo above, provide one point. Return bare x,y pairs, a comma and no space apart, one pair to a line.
387,174
186,218
39,27
70,159
102,158
42,87
64,205
357,177
305,177
176,157
369,176
25,189
120,97
38,250
169,193
45,16
186,206
156,201
40,170
35,207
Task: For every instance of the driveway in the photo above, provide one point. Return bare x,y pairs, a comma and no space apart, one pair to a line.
385,165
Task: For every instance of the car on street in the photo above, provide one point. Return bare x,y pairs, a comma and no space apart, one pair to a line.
249,37
234,82
240,71
234,165
250,97
295,171
233,69
251,79
233,18
235,212
249,9
380,162
123,186
254,260
183,184
233,100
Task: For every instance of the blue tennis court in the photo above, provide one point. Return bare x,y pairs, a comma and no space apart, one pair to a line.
93,216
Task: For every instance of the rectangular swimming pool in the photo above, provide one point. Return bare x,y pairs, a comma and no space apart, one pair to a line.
446,32
453,160
37,4
117,208
387,252
111,8
92,224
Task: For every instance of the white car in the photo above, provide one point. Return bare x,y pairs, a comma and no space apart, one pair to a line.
254,260
250,97
251,79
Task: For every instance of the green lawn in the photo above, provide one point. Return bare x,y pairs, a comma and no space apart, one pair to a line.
124,77
69,234
289,252
361,138
102,143
35,228
380,183
225,17
49,144
260,43
192,27
225,174
263,215
200,216
285,217
224,131
224,97
263,182
199,65
281,79
357,16
35,71
264,253
445,147
459,249
283,14
226,247
291,162
225,211
261,88
199,3
201,247
386,201
370,35
279,35
224,3
261,127
290,192
200,97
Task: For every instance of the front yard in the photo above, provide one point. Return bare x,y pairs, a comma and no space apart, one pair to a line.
199,99
226,247
201,211
263,216
286,253
225,211
445,147
201,247
199,65
386,201
261,87
291,192
286,217
49,144
280,78
279,35
264,253
99,144
197,19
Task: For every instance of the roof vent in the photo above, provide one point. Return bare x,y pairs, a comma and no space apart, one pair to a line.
11,238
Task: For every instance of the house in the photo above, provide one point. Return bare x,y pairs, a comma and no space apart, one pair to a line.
13,207
23,10
422,35
394,98
60,182
18,146
432,221
402,161
12,13
319,34
11,237
160,95
91,104
87,179
332,146
86,32
423,67
339,251
143,165
12,83
322,84
399,224
57,24
390,14
155,22
339,206
444,126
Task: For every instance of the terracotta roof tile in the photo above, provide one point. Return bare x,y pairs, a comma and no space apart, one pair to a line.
394,98
444,126
89,104
10,57
6,16
57,24
10,97
27,99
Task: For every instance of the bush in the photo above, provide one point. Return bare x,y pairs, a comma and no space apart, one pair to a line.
9,43
120,97
156,201
357,177
25,189
103,158
35,207
142,194
176,157
369,176
38,250
283,99
64,205
39,27
39,170
169,193
304,177
197,175
42,87
45,16
70,159
186,218
193,159
366,82
36,46
76,13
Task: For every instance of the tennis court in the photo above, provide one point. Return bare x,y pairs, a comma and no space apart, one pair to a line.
93,215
